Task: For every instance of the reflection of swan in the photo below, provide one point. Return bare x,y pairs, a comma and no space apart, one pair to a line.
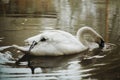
57,42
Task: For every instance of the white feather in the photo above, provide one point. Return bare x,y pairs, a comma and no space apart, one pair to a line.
59,42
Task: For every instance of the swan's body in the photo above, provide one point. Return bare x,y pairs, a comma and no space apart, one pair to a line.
57,42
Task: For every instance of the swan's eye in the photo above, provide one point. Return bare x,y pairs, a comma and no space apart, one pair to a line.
43,39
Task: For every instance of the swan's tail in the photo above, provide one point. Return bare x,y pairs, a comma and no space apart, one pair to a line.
4,47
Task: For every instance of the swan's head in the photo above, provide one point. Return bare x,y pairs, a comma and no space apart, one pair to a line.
100,41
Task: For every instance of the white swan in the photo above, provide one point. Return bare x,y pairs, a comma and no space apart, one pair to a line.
57,42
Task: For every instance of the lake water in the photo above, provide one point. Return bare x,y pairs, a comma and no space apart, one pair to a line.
71,15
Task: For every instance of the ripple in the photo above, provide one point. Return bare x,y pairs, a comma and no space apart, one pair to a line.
71,70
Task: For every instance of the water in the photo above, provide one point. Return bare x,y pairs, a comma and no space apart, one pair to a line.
71,15
94,66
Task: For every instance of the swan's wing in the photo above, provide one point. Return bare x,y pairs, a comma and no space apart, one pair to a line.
29,41
56,35
57,43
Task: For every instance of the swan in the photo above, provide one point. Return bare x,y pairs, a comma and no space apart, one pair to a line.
58,42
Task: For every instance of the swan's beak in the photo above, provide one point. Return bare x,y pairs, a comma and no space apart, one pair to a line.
101,43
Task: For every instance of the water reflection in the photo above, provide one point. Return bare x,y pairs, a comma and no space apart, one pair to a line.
62,67
70,71
105,68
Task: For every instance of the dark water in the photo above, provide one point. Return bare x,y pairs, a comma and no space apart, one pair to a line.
71,15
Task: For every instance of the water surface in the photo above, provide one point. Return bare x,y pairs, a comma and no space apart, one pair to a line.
71,15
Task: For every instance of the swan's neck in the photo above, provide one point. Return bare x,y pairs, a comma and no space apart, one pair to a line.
86,30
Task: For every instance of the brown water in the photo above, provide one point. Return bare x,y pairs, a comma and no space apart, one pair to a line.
71,15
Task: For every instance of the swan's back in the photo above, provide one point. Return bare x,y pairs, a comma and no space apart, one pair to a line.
56,43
